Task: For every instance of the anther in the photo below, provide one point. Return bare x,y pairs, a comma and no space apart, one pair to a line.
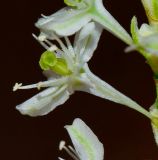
43,16
17,86
39,85
45,43
61,145
41,41
70,151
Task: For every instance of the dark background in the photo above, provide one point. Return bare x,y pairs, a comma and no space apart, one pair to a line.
125,133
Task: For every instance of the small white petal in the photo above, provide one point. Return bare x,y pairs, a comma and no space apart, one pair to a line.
64,22
86,41
44,102
86,143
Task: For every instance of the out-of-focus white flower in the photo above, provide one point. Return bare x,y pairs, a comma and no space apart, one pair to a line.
154,122
151,8
145,40
70,19
86,144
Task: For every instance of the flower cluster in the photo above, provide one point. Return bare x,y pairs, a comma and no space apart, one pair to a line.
66,65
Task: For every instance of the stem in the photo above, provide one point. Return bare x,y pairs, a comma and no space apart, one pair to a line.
156,85
102,16
106,91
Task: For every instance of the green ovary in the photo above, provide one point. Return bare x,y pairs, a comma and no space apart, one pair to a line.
49,61
61,67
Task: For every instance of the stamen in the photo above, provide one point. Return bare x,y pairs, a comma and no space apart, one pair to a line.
17,86
73,150
40,40
50,83
62,146
39,85
67,57
48,42
69,45
42,15
47,45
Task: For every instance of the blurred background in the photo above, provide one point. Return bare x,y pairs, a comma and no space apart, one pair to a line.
125,133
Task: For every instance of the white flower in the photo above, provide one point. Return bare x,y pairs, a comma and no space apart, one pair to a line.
70,19
62,83
67,71
87,145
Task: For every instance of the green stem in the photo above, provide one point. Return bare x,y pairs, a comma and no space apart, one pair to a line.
156,84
